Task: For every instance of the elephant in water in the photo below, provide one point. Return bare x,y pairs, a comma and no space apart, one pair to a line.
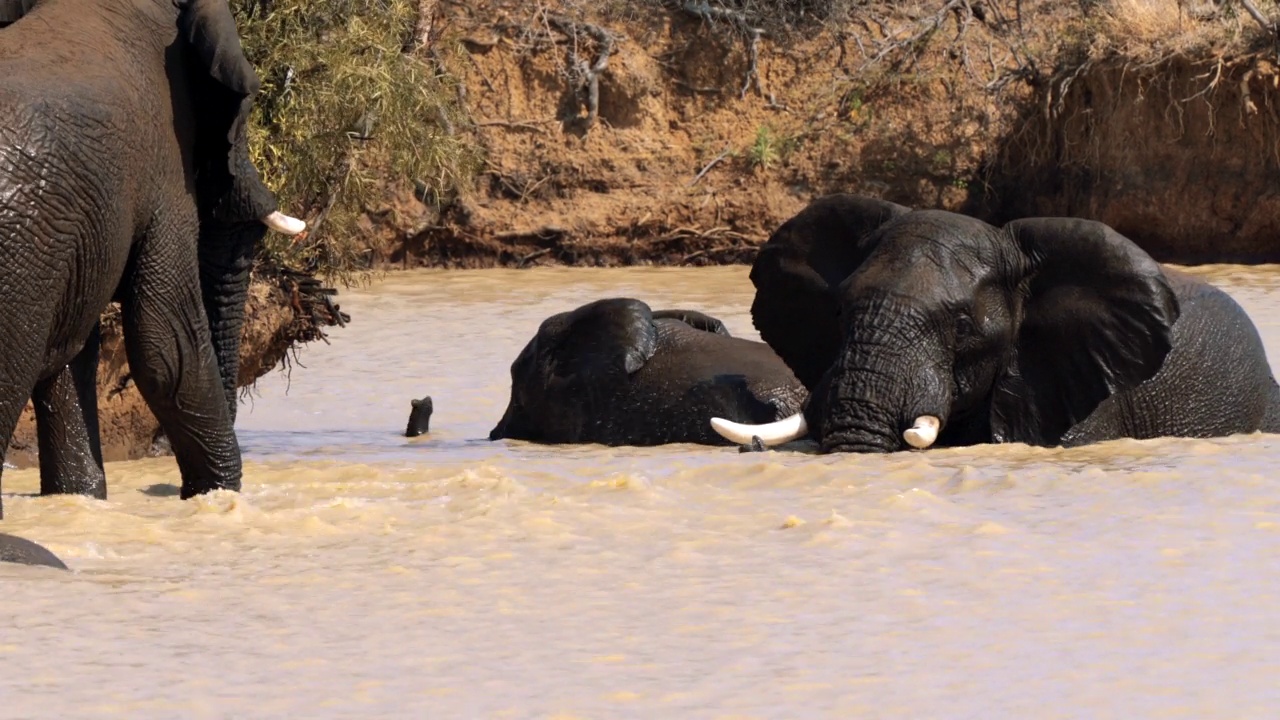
916,328
14,549
124,176
616,373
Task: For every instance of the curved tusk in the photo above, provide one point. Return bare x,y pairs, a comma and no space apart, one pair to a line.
282,223
923,433
774,433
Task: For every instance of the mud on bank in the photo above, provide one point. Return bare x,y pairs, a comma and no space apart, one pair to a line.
703,134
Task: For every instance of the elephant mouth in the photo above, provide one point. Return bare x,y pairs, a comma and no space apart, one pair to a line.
922,434
855,443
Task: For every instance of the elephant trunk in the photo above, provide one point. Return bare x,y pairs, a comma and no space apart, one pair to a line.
227,250
882,397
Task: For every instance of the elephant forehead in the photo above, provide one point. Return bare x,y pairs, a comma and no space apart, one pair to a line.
924,268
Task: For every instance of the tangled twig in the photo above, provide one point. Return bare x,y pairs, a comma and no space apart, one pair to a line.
582,74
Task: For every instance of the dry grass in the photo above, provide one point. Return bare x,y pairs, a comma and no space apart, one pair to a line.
347,107
1151,29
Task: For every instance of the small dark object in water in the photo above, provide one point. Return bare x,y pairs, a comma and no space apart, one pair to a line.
20,550
419,417
757,445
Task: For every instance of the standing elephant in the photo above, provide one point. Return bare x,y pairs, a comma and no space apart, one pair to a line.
616,373
124,175
914,328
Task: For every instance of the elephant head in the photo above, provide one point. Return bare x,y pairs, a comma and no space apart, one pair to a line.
916,327
596,345
615,372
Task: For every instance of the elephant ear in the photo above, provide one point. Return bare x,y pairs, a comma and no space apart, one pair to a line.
209,29
605,340
1097,318
797,274
694,319
223,85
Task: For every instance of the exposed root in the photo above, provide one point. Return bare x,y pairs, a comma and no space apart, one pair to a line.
750,34
584,76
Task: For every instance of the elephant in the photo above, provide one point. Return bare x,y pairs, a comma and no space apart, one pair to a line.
130,183
919,327
14,549
12,10
419,417
615,372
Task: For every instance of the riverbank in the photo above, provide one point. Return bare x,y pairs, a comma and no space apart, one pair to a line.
669,133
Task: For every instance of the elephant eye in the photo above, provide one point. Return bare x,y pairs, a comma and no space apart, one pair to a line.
964,326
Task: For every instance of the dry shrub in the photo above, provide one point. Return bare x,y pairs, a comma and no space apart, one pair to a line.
347,106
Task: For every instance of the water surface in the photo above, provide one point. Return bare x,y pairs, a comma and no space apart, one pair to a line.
362,574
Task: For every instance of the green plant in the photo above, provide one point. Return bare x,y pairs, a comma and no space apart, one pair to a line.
764,151
345,108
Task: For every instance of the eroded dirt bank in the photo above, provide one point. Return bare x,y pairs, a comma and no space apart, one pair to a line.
694,151
1182,156
284,310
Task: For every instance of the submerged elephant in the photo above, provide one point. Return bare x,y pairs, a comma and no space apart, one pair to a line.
616,373
14,549
915,328
123,175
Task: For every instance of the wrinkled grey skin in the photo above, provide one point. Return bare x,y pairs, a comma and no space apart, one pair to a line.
14,549
419,417
231,200
616,373
112,150
1047,331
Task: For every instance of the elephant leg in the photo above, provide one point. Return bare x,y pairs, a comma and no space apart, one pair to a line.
15,387
67,427
167,341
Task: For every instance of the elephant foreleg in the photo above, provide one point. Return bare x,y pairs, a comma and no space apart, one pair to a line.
171,358
66,408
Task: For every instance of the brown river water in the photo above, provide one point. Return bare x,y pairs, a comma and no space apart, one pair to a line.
361,574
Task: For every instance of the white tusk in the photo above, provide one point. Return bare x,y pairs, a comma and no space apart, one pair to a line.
774,433
282,223
922,434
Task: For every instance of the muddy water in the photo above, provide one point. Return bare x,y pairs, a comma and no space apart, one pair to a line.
364,575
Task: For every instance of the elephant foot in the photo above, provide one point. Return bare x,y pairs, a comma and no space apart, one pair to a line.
756,445
284,224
